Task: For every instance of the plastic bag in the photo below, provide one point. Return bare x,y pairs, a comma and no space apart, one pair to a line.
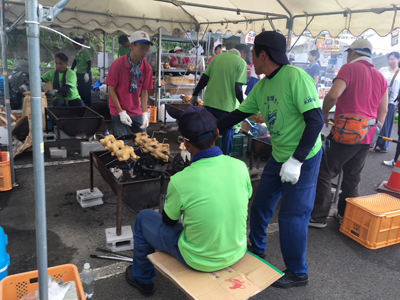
57,291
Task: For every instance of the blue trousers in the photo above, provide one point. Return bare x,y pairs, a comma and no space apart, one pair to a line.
121,129
387,128
227,134
294,215
85,88
151,233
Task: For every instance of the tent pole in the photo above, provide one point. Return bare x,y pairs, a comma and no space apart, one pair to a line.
158,81
113,50
32,33
197,54
104,54
6,88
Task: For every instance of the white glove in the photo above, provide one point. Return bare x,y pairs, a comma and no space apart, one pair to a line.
194,101
86,77
52,92
290,171
125,119
145,120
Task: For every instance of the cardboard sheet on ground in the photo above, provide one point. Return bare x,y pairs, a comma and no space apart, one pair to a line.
249,276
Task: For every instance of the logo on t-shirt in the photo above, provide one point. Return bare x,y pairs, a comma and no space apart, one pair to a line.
309,100
275,117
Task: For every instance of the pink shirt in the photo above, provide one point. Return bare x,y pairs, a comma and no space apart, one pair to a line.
363,94
120,77
211,58
185,60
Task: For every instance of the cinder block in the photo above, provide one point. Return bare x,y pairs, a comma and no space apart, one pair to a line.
63,135
88,198
49,137
117,243
87,147
55,152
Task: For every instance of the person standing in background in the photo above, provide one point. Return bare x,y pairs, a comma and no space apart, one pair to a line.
83,64
217,50
178,61
124,47
314,69
393,80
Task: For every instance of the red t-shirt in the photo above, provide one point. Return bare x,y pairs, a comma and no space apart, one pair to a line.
211,58
120,77
185,60
363,94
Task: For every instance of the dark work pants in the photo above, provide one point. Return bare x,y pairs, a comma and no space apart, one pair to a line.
227,134
396,156
85,88
350,158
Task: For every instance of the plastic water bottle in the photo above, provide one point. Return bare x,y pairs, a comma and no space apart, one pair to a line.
107,133
87,280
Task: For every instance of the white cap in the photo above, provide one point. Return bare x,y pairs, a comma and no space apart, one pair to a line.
177,48
86,266
140,37
362,46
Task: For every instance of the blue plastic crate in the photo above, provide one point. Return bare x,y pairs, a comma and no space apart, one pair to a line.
4,256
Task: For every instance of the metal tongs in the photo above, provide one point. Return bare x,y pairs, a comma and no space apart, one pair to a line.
115,256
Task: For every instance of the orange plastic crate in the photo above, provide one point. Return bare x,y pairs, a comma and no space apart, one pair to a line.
153,114
16,286
373,221
5,173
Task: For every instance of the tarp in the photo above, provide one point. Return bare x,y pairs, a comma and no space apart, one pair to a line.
115,16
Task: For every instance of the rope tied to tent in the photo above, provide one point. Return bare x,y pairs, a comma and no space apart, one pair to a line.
394,17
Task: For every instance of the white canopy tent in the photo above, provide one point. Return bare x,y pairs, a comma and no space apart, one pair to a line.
114,16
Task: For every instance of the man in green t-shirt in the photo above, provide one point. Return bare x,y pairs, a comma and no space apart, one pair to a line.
213,195
83,65
224,78
124,47
64,83
290,107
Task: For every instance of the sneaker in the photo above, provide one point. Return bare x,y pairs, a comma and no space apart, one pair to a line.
389,163
384,151
316,224
145,289
290,279
339,217
251,249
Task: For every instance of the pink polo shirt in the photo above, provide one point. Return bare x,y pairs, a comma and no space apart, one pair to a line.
363,94
120,77
186,60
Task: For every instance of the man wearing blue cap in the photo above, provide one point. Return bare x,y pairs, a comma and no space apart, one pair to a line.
213,234
289,104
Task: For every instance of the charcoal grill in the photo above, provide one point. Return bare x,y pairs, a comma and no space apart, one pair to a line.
74,121
261,148
176,110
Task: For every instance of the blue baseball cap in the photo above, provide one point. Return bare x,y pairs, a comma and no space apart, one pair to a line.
197,124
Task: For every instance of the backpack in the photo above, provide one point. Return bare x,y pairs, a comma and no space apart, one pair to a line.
350,129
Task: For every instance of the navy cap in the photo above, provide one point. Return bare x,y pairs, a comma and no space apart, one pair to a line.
276,44
197,124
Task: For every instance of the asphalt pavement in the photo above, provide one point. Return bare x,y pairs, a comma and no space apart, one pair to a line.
340,268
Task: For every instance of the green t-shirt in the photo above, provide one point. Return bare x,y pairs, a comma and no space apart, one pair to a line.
82,61
70,80
123,50
213,194
282,101
224,71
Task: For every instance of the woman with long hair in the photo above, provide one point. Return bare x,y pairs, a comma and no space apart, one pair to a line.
393,79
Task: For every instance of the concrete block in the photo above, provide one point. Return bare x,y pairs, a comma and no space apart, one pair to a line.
55,152
87,147
117,243
87,198
63,135
49,137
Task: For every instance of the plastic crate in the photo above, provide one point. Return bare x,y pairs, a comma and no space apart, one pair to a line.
153,114
238,142
16,286
373,221
5,173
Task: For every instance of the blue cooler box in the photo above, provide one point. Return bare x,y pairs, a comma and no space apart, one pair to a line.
4,256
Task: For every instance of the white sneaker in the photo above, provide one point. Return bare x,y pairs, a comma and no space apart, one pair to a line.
389,163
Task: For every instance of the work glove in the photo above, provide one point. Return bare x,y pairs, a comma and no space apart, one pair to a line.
145,120
86,77
194,101
125,119
52,92
290,171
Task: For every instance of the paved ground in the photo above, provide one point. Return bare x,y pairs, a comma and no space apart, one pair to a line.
339,267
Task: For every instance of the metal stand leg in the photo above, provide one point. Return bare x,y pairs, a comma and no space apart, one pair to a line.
119,212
